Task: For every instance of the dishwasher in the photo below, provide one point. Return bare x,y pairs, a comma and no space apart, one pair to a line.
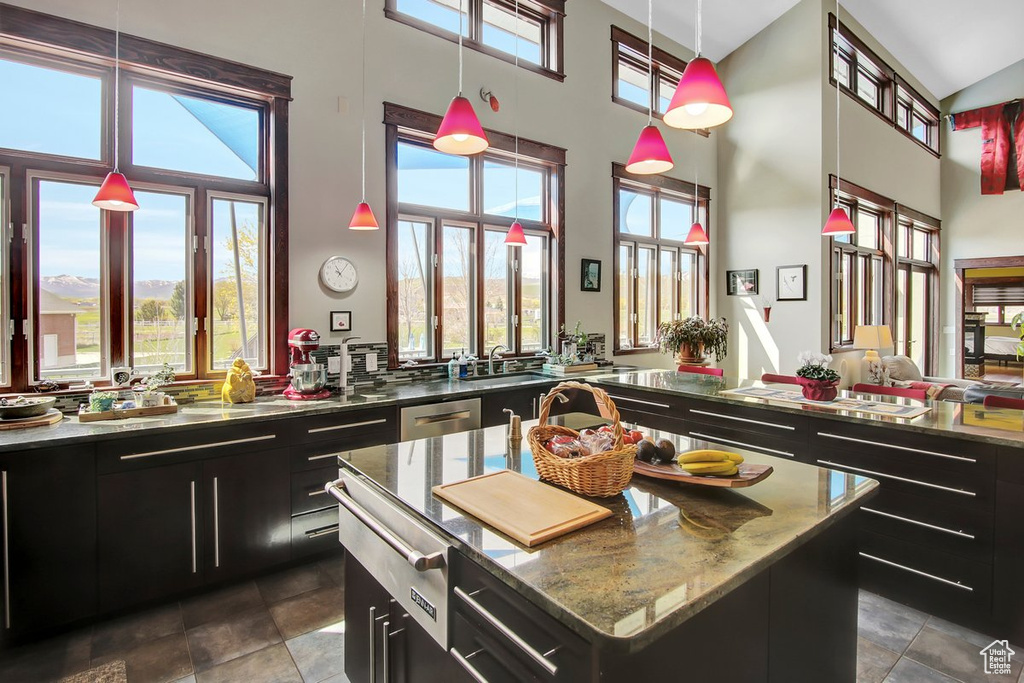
438,419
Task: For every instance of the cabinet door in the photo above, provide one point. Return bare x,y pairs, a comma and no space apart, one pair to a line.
49,517
150,534
247,499
367,606
1009,564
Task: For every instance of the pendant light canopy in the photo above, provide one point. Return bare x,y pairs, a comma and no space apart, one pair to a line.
460,131
362,217
515,236
700,100
696,236
838,222
650,153
115,194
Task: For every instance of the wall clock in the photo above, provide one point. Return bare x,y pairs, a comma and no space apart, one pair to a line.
339,274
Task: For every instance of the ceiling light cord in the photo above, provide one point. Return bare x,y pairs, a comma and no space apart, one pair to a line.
117,84
461,6
362,105
516,87
835,196
650,62
699,27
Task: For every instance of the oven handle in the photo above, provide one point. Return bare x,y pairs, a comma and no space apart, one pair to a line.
418,560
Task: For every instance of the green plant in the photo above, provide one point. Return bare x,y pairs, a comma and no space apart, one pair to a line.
1018,326
815,366
694,331
160,378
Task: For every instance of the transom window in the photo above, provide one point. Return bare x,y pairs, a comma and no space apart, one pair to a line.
657,277
916,117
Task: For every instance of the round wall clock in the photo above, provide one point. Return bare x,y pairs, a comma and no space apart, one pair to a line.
339,274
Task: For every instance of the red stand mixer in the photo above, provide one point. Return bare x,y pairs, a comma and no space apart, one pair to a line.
309,379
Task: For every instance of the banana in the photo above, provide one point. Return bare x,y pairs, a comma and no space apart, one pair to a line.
710,467
728,473
707,455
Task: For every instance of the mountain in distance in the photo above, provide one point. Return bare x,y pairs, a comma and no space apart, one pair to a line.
76,287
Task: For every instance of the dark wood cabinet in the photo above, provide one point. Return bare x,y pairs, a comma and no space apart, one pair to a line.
49,528
1009,539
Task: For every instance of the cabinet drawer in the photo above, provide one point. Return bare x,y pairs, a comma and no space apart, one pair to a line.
659,404
940,583
963,530
725,436
178,446
308,493
762,421
482,658
1011,465
324,436
315,532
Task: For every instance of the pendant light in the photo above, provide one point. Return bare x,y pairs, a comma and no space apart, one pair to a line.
460,131
838,222
700,100
363,218
115,194
650,153
697,236
515,236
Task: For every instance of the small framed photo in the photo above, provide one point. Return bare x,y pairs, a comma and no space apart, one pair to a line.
791,283
341,321
590,275
741,282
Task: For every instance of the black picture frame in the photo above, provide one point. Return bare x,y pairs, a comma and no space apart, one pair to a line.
791,283
341,321
734,278
590,275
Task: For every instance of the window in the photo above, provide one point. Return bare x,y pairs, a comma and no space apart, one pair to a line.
657,277
999,315
184,280
5,275
490,26
458,286
916,117
917,287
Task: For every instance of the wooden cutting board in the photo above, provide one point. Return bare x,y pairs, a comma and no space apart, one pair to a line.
749,474
50,417
529,511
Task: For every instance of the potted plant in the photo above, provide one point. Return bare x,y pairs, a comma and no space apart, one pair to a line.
148,396
818,381
102,401
690,340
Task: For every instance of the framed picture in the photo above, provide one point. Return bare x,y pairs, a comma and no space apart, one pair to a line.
341,321
741,282
590,275
791,283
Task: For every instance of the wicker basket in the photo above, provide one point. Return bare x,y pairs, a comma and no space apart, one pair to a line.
601,475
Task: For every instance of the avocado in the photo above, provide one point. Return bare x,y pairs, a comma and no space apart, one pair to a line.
666,450
646,451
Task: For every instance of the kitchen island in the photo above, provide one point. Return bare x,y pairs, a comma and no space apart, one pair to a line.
725,585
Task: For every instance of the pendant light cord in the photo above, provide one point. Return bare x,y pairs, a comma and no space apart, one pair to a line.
835,196
117,84
516,88
650,62
362,106
461,6
699,28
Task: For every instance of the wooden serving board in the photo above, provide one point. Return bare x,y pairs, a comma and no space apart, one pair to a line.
50,417
84,415
560,370
749,474
525,509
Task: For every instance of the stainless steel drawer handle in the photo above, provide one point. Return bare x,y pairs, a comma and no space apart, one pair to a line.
961,534
465,664
7,559
955,584
418,560
636,400
743,419
442,417
709,437
872,473
506,631
323,531
866,442
325,456
216,523
199,446
317,492
192,487
334,428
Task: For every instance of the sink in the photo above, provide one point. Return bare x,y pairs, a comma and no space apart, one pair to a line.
500,378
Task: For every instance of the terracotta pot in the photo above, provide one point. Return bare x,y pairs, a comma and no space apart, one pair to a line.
818,390
691,354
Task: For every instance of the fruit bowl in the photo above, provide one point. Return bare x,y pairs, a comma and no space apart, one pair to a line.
26,407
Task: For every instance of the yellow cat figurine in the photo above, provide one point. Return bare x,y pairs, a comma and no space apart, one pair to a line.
239,386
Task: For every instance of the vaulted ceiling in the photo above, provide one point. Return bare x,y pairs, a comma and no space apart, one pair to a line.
945,44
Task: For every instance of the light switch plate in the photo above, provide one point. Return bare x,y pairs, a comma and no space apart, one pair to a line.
371,362
334,364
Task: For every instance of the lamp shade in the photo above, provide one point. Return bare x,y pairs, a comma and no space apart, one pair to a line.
697,236
650,153
838,223
700,100
363,218
515,236
460,131
872,337
115,194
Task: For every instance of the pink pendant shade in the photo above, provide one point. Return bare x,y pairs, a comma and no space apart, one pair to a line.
838,223
700,100
460,132
363,218
697,236
650,154
515,236
115,194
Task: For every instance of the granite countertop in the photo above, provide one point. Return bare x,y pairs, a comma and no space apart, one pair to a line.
205,414
962,420
667,552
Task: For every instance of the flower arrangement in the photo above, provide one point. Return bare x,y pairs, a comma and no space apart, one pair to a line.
818,381
699,335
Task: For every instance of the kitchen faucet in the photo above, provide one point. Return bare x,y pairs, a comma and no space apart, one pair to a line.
343,378
490,358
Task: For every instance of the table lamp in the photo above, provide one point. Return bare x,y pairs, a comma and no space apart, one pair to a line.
871,338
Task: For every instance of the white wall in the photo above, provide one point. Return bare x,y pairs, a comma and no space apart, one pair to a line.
318,42
974,225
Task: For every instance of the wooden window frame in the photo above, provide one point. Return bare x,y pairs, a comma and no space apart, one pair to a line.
657,187
921,108
33,37
629,48
550,14
907,220
403,124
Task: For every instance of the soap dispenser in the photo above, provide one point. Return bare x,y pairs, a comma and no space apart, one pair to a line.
515,425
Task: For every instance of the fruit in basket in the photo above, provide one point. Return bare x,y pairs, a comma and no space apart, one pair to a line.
646,451
636,436
708,455
666,450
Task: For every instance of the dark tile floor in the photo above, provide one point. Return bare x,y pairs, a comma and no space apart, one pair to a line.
290,627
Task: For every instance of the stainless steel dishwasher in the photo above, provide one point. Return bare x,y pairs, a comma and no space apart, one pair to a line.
438,419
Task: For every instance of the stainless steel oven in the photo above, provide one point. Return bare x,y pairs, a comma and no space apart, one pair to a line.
438,419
